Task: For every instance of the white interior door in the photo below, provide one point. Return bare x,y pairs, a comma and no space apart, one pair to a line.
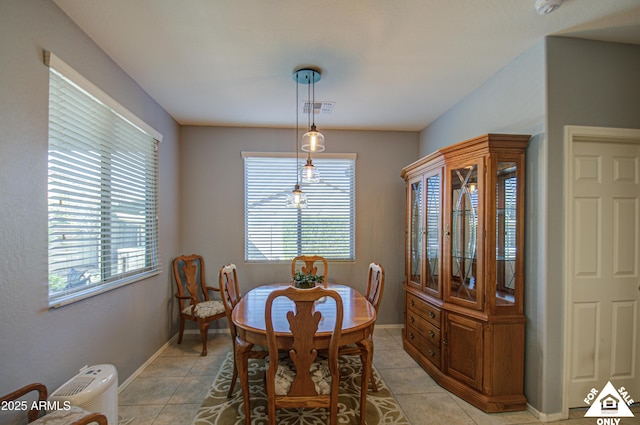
602,259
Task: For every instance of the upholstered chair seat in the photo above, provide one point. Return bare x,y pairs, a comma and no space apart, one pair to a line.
206,309
286,373
260,349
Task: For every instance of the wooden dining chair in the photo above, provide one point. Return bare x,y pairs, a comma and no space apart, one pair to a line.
230,294
193,296
297,378
310,266
375,288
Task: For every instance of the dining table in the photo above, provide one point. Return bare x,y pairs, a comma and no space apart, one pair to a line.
248,317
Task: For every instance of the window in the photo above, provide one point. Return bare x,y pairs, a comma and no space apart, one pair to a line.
102,190
326,227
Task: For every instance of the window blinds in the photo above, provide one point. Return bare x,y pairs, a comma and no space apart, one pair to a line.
326,227
102,193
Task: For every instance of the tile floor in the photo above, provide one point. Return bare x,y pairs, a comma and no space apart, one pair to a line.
170,390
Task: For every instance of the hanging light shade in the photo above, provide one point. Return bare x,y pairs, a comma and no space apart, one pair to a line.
309,173
297,199
313,140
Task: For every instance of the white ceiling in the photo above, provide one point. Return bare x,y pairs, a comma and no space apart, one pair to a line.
387,64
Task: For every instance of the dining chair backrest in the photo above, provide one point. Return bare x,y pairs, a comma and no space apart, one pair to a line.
303,323
375,288
375,285
310,266
188,271
229,292
193,296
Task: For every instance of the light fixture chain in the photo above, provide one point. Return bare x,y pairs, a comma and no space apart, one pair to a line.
309,106
296,138
312,110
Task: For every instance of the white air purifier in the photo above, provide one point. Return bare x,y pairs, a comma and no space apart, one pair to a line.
94,389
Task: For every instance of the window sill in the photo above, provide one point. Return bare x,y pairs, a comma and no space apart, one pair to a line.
97,290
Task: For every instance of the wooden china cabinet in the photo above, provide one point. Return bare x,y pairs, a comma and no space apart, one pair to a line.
464,321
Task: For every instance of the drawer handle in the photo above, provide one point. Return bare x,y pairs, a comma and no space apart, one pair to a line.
432,334
432,315
411,319
411,303
445,342
431,352
411,336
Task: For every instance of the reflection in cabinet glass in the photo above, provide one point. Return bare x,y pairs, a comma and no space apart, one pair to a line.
506,225
416,232
464,232
433,233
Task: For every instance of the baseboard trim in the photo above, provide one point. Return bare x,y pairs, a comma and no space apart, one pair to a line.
392,326
545,417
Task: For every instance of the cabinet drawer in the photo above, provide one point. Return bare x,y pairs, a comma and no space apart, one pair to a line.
428,350
427,329
424,309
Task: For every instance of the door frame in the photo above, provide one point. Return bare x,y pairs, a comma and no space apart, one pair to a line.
571,135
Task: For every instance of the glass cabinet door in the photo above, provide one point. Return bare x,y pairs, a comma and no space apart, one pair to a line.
465,278
506,225
432,235
415,231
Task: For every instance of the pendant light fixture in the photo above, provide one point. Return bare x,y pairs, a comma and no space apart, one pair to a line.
297,199
309,173
312,140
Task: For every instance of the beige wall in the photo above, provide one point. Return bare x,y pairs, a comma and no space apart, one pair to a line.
513,101
124,326
212,203
589,83
557,82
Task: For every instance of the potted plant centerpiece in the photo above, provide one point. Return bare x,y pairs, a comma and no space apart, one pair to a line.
306,281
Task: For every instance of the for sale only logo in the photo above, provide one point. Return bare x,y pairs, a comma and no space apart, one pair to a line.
609,404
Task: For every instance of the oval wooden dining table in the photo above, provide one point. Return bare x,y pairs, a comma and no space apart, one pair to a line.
357,327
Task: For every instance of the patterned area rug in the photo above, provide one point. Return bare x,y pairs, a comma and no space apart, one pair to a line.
217,409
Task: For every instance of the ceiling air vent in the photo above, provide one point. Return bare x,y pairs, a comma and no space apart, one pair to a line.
323,108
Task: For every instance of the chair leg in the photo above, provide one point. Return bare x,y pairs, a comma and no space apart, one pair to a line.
233,379
374,386
241,359
366,358
272,414
333,407
181,330
204,330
